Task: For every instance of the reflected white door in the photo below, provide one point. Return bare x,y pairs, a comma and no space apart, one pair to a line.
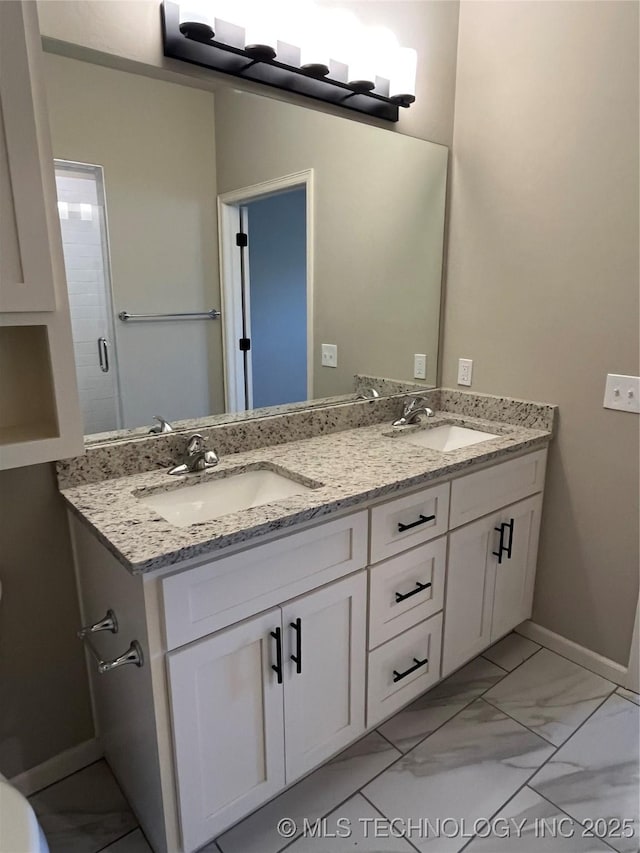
84,243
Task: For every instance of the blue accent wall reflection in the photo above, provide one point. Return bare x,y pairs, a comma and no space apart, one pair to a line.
278,298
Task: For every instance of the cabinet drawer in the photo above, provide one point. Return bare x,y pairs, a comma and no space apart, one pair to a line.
487,490
405,522
387,692
201,600
406,590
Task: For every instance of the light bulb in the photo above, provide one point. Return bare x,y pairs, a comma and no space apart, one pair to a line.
368,54
402,80
260,33
314,49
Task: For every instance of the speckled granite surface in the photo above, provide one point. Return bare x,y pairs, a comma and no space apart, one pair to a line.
148,452
352,466
198,424
151,452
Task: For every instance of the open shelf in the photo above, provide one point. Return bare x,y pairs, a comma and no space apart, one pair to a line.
27,394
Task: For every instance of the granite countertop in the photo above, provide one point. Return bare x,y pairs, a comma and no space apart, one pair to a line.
347,469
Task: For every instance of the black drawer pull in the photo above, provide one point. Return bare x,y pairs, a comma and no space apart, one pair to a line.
422,520
501,546
297,658
419,587
510,545
398,676
277,666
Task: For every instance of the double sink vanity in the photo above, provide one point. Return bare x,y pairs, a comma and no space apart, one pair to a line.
267,611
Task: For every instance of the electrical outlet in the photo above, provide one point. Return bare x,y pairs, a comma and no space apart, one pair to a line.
329,355
465,371
419,366
622,392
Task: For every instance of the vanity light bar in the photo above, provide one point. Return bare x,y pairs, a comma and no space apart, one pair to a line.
377,83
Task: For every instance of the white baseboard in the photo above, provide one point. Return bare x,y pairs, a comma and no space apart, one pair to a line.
58,767
573,651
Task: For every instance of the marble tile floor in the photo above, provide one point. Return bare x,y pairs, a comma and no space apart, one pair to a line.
520,750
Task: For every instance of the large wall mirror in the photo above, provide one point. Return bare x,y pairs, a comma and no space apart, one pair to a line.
340,274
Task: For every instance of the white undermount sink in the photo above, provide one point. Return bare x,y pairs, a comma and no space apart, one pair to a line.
214,498
447,437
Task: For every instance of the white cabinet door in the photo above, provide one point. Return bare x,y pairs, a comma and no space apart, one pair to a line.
228,726
26,167
471,576
515,574
324,684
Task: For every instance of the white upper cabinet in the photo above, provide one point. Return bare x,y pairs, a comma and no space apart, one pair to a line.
40,418
26,269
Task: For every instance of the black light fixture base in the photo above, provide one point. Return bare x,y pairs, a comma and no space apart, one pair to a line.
197,31
315,69
195,44
362,85
403,100
260,52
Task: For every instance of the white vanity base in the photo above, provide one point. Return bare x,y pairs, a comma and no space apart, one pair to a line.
263,663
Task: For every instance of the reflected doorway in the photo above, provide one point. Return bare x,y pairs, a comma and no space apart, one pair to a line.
83,227
265,235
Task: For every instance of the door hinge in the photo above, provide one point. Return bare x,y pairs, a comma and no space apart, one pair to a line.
244,344
242,240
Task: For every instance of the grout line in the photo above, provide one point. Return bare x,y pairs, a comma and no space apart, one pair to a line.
524,725
68,776
373,806
515,793
622,696
556,806
387,739
529,780
539,734
503,668
560,655
119,838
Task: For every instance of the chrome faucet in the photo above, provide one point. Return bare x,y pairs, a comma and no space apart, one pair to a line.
196,458
368,394
162,426
412,408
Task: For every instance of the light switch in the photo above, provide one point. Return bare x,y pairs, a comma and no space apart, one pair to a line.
419,366
465,371
329,355
622,393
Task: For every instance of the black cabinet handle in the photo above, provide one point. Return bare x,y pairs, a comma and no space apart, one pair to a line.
419,587
506,525
398,676
277,666
510,525
501,547
423,519
297,658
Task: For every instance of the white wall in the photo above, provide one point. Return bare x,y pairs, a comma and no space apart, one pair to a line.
542,287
